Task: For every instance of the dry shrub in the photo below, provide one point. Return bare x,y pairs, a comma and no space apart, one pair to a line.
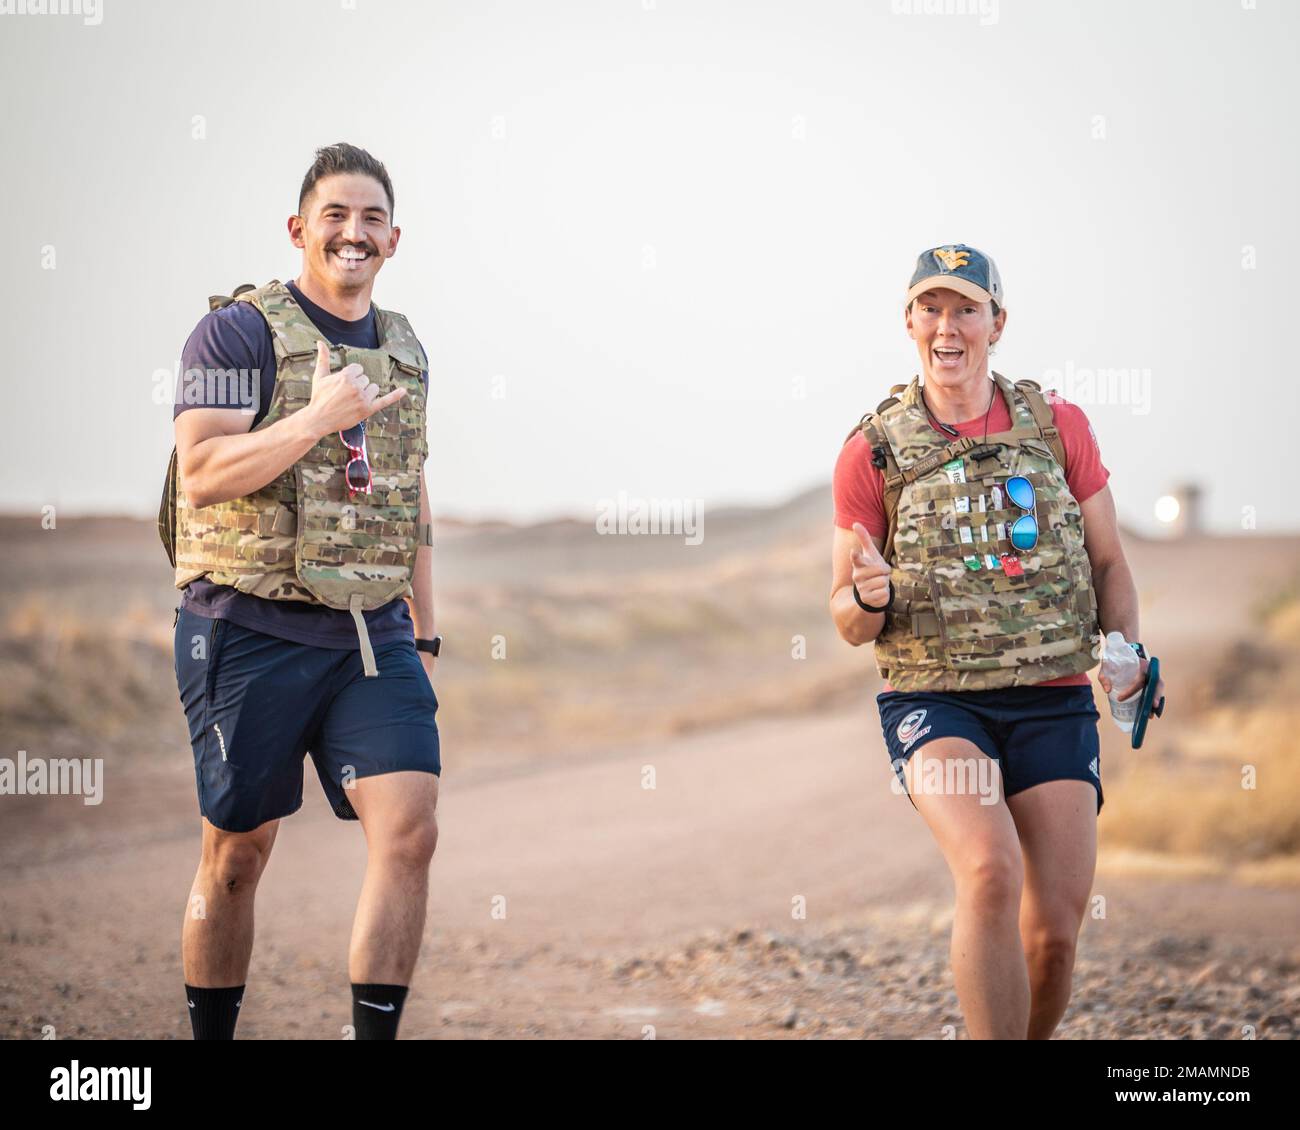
1194,803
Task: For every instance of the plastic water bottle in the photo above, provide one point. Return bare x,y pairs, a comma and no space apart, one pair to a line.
1120,664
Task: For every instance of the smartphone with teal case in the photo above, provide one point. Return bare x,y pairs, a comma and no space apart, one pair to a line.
1144,703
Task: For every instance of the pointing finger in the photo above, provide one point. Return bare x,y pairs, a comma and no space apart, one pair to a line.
384,401
864,537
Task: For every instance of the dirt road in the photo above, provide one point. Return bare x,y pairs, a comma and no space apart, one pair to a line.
628,910
758,879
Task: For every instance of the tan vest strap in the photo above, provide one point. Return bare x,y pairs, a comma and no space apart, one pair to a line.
367,652
925,624
953,450
1046,421
282,522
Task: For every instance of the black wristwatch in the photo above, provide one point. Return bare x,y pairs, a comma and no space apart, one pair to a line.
867,608
432,646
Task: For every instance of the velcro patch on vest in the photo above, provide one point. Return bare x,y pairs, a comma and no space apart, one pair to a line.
1003,617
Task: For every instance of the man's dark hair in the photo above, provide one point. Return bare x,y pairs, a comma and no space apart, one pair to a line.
344,158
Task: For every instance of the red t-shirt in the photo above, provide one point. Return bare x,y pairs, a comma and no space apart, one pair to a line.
859,487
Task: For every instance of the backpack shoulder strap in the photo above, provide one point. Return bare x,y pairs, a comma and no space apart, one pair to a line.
218,301
882,457
167,511
862,425
1044,417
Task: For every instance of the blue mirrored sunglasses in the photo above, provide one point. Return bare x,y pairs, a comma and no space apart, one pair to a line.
1024,531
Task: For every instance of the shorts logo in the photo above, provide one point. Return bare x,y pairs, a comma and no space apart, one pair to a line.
1093,766
909,729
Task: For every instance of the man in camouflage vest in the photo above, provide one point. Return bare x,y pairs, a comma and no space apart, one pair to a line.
296,516
976,544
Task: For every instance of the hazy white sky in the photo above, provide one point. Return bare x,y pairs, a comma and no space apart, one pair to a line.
659,246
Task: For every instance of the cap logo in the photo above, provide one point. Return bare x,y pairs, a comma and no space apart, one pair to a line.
950,259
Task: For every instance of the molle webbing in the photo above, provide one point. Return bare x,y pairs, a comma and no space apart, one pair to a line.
305,536
960,620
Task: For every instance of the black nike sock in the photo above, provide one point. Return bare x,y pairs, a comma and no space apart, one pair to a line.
376,1010
213,1012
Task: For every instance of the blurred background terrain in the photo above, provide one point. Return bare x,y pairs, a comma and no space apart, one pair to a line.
715,666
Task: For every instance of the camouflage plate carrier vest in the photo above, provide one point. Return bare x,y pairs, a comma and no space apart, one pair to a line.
303,536
956,624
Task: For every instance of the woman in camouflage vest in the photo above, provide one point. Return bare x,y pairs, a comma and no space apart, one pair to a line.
960,551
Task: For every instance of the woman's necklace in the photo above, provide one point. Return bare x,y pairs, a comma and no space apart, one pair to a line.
948,427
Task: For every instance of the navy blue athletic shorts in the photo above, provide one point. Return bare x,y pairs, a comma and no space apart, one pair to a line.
1035,734
257,705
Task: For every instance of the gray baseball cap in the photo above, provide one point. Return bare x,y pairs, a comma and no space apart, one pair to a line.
955,266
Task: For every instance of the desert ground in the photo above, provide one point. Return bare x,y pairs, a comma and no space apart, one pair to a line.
770,885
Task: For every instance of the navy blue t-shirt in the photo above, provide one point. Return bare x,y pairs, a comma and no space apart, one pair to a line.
238,337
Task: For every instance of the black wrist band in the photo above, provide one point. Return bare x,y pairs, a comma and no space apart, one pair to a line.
867,608
433,646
